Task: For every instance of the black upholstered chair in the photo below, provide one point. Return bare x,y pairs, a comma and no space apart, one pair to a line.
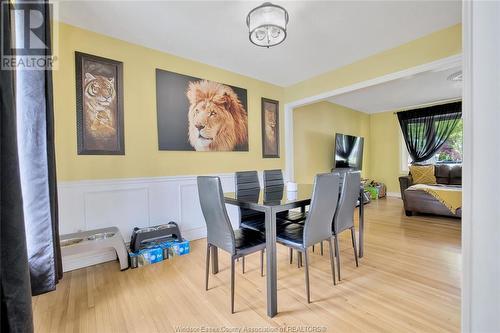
344,216
220,233
248,187
274,179
318,223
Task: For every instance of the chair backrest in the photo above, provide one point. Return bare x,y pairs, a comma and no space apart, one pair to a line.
318,224
273,178
219,230
248,188
273,194
246,180
344,216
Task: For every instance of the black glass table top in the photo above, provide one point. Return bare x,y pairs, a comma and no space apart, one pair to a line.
272,196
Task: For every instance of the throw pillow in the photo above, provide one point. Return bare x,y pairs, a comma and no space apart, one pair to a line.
423,174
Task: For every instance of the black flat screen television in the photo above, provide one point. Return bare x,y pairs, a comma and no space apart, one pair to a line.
348,151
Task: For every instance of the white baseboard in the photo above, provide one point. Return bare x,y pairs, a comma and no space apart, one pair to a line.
394,194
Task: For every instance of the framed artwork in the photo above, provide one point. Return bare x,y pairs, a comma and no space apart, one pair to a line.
200,115
270,128
99,105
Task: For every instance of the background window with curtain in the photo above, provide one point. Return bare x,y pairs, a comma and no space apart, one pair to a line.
432,135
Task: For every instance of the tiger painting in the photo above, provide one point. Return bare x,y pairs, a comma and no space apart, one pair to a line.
100,106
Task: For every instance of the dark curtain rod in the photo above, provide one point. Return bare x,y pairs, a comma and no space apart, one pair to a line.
451,101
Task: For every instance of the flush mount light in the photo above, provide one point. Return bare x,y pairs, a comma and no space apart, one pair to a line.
267,25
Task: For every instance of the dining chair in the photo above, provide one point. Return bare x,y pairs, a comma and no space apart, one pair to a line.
274,178
318,223
220,233
344,216
248,187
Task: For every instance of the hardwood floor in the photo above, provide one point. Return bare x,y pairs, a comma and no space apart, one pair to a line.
408,281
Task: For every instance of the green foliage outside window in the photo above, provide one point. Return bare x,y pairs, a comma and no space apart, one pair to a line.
452,149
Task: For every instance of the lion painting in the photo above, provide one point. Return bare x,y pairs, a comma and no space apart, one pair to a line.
216,116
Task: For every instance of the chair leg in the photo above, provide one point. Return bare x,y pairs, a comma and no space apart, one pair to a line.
332,261
306,260
299,259
337,253
353,236
262,263
243,264
313,248
321,247
232,285
291,256
207,266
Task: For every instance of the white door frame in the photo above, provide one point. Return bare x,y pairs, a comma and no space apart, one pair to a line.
480,209
466,168
289,153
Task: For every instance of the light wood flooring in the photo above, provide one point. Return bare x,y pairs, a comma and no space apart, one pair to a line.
408,281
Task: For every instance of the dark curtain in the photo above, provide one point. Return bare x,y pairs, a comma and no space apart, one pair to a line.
426,130
37,164
16,315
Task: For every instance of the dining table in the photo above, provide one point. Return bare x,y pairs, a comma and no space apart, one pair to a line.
271,202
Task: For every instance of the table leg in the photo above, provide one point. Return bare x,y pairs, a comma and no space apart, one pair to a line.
271,272
215,260
361,222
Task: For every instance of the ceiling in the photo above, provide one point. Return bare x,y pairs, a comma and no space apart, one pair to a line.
322,35
420,89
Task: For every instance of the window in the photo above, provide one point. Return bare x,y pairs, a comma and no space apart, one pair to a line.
450,152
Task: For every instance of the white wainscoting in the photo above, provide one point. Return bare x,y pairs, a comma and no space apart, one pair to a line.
134,202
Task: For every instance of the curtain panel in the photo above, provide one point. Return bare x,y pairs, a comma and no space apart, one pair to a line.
425,130
35,127
16,313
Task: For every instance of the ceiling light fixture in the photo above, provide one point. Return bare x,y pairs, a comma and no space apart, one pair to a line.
267,25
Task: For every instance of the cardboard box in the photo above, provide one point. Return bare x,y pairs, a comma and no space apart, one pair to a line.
179,248
146,257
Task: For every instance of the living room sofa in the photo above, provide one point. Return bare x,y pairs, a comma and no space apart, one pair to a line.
419,201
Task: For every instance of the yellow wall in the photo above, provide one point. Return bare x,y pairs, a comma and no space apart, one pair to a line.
143,159
314,130
438,45
385,149
317,123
